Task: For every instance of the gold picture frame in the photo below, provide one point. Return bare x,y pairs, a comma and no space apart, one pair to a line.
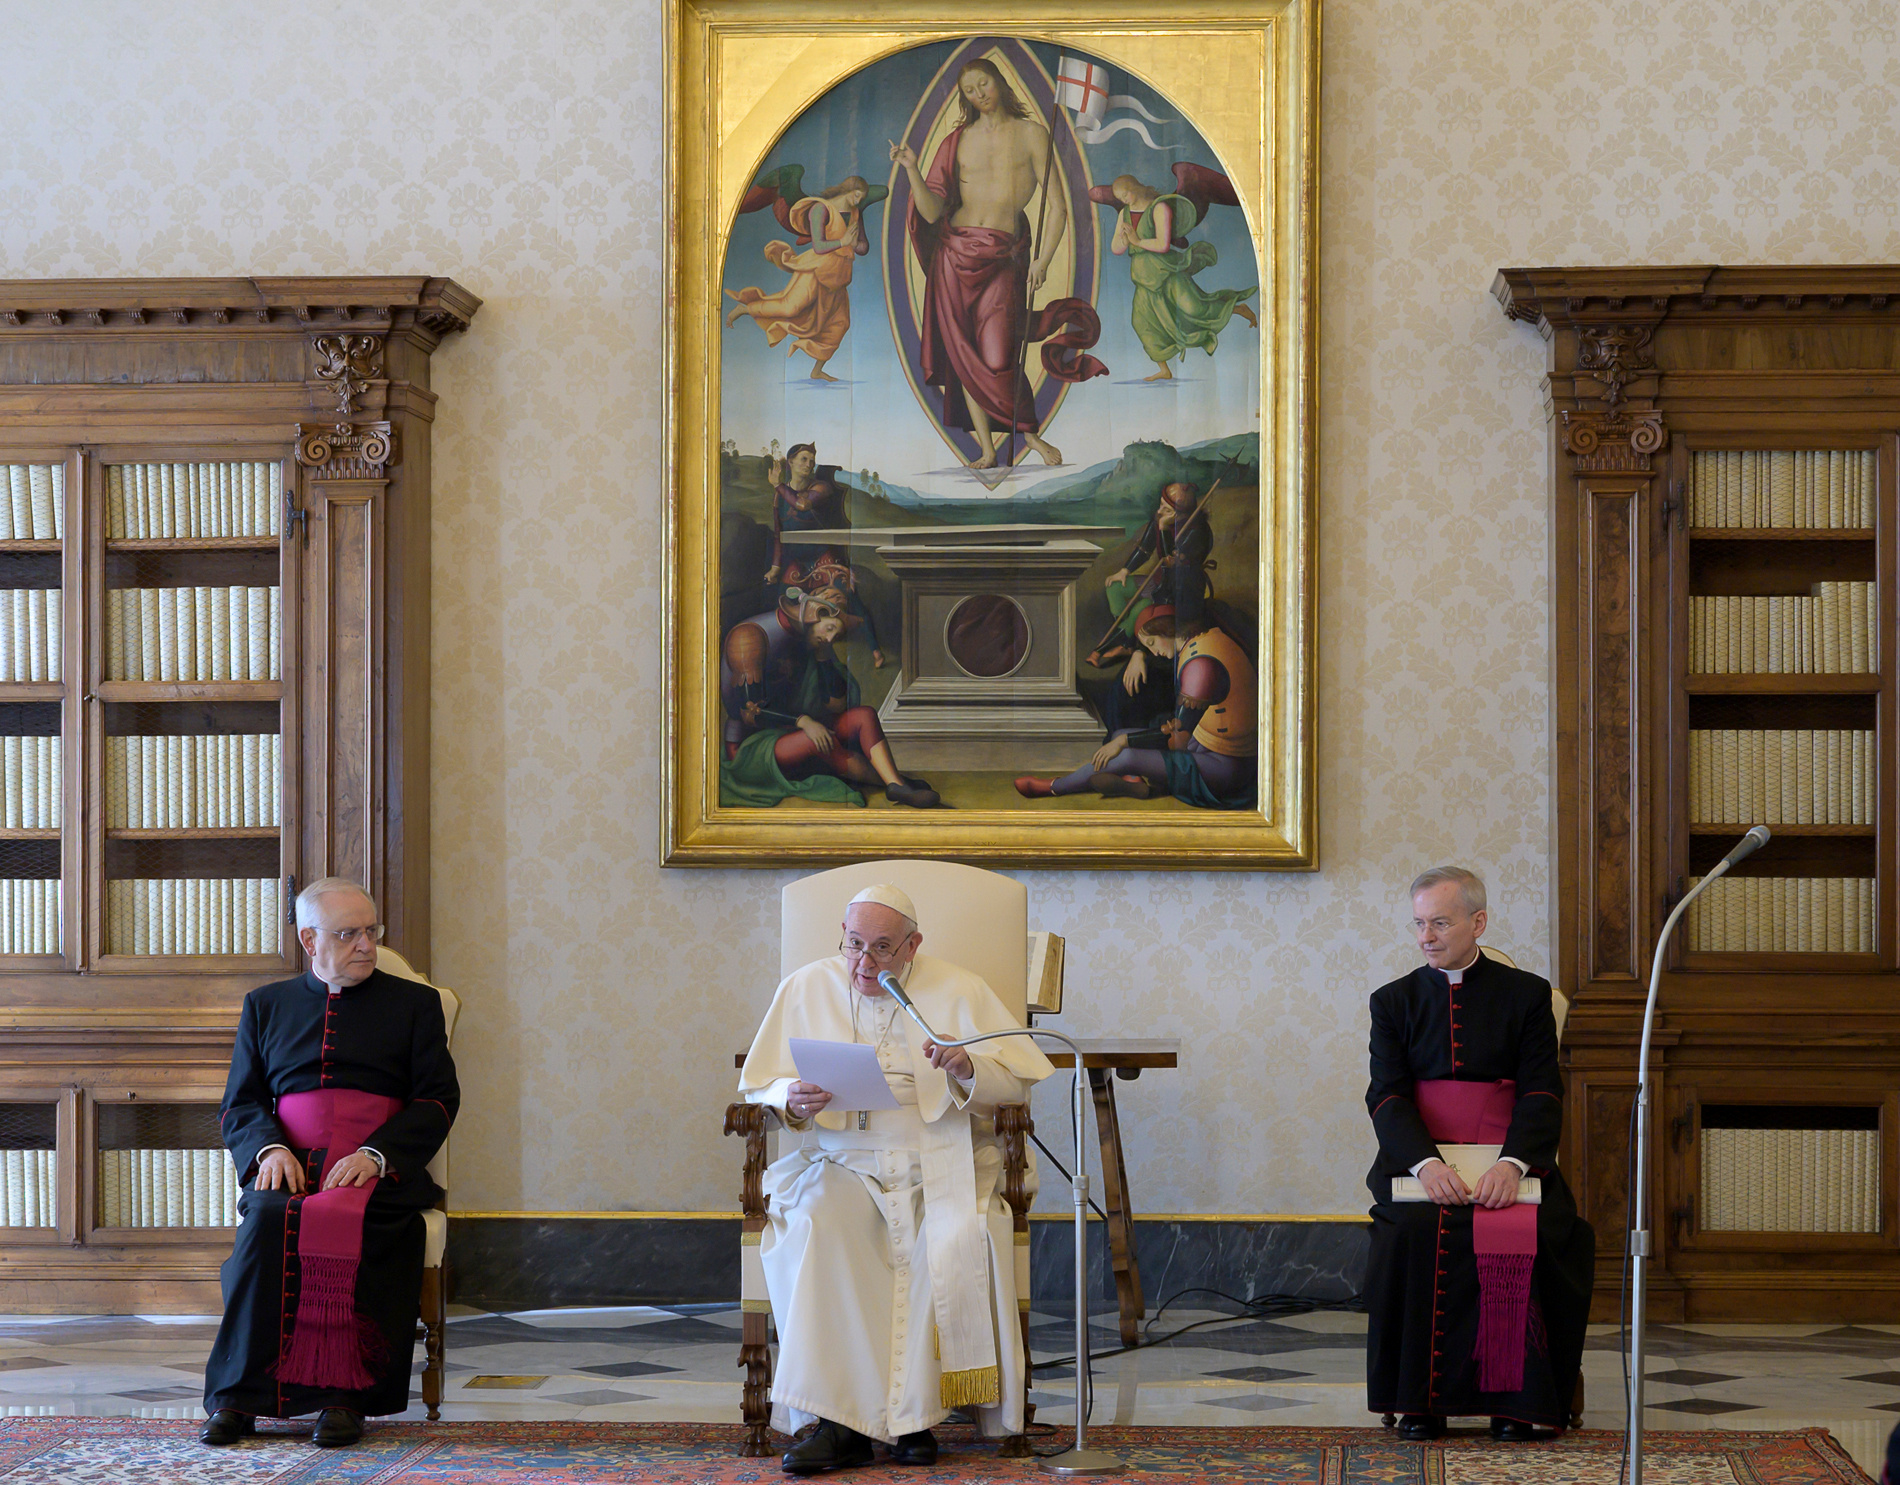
740,75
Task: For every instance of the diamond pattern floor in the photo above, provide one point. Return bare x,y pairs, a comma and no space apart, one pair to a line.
663,1364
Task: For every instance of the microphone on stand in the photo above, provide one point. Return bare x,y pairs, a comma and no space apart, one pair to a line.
1749,844
895,990
1078,1459
1638,1240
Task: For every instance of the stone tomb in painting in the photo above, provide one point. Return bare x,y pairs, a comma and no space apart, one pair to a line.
986,673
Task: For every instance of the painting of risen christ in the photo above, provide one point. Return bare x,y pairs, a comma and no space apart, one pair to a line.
983,259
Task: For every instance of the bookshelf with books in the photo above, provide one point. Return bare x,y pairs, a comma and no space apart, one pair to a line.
1723,478
214,648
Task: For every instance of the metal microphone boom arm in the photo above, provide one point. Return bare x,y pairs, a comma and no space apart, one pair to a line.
1756,838
1080,1460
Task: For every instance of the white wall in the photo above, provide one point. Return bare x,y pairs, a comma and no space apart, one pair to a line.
516,148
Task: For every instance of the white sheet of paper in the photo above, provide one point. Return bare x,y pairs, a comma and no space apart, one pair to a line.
848,1071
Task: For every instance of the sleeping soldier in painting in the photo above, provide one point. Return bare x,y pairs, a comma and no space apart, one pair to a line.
1205,753
1179,541
794,727
1476,1303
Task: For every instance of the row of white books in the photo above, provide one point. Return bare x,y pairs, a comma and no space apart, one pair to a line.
1783,776
1801,489
1783,915
167,1188
29,915
194,915
29,783
196,781
29,634
192,634
1830,631
193,500
32,502
1791,1180
29,1194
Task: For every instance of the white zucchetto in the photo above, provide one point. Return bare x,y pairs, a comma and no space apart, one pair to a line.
885,895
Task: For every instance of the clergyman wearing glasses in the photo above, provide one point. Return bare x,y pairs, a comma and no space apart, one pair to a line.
888,1255
341,1091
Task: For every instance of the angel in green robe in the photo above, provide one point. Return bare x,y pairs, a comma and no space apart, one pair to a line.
1172,312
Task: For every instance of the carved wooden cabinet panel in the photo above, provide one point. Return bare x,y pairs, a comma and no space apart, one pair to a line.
1722,461
214,641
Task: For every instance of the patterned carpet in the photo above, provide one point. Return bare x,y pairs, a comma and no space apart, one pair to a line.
135,1451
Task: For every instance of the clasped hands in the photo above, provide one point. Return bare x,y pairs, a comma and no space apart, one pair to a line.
281,1168
1496,1188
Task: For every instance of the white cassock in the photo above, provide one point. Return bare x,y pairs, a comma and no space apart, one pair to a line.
889,1253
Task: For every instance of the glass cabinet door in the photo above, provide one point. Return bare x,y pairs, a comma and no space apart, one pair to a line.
163,1165
191,722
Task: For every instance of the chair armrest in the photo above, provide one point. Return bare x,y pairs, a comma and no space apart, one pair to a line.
1013,1128
754,1121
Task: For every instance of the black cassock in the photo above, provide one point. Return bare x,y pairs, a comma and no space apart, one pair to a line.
384,1036
1422,1280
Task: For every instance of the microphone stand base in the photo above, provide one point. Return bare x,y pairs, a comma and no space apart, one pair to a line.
1082,1462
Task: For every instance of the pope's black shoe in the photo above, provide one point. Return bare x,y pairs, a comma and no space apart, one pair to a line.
337,1428
1421,1426
915,1448
226,1427
1512,1430
832,1447
917,796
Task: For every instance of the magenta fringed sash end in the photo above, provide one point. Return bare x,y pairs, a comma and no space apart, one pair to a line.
326,1345
329,1344
1505,1241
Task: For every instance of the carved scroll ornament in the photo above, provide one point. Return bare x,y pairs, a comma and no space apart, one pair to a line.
1614,436
347,451
349,363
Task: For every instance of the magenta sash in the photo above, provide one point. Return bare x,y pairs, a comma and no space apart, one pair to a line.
1504,1241
328,1345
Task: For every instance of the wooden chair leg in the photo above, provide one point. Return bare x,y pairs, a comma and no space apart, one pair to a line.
755,1355
1576,1403
1014,1127
435,1319
755,1405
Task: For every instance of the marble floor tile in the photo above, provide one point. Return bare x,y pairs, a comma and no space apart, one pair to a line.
658,1364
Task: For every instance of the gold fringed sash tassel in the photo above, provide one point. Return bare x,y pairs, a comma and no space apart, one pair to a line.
980,1387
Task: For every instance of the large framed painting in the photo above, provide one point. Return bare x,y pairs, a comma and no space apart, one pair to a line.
990,432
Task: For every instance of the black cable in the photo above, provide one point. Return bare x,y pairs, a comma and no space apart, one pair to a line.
1263,1307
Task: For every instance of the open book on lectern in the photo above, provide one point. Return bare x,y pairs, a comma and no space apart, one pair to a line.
1471,1162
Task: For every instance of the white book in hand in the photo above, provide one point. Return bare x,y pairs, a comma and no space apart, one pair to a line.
1470,1162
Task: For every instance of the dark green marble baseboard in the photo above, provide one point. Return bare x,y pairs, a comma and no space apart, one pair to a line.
530,1260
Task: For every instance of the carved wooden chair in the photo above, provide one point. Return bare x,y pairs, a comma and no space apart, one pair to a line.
435,1222
1560,1011
975,918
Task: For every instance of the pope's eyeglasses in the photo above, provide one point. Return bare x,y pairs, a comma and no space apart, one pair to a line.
880,952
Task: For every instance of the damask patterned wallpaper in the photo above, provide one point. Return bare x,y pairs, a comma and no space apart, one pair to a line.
515,146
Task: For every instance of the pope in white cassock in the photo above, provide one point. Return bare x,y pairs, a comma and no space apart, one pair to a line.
889,1253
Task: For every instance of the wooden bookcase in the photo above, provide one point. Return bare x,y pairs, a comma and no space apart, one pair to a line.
214,497
1720,438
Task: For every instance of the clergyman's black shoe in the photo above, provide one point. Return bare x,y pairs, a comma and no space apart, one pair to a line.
337,1428
915,1448
1421,1426
1512,1430
832,1447
226,1426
